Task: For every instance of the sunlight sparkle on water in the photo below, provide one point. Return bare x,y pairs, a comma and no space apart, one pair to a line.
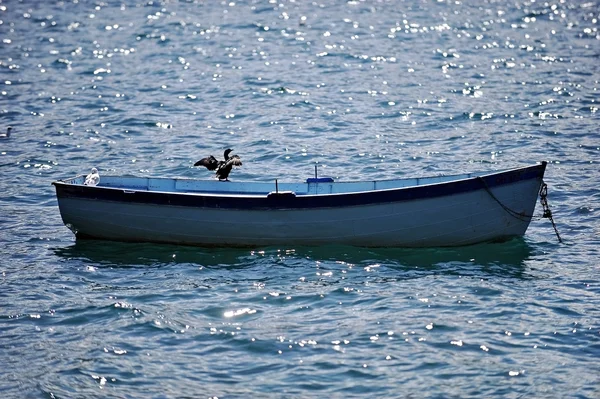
370,91
239,312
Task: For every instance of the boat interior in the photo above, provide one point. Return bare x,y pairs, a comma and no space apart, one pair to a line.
312,186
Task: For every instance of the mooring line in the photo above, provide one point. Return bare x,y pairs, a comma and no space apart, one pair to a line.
547,212
519,215
543,193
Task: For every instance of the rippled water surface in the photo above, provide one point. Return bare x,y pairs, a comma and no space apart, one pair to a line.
366,89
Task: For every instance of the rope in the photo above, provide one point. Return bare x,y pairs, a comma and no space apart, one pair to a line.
543,193
518,215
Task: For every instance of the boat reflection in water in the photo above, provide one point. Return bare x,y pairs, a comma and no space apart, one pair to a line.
507,259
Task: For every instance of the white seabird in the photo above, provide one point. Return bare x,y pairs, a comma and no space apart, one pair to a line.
93,178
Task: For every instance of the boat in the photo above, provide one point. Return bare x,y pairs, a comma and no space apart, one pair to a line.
438,211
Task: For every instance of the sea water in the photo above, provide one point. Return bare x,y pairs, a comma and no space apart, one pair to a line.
363,89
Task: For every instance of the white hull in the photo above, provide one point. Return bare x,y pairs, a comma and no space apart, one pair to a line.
450,220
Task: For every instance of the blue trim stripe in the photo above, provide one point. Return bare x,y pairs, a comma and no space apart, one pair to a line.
275,202
319,180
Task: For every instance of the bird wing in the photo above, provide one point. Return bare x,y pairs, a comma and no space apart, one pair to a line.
225,167
209,162
234,160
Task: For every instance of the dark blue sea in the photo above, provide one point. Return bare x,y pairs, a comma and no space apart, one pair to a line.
364,89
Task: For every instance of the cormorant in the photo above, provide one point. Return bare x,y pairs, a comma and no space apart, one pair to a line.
223,168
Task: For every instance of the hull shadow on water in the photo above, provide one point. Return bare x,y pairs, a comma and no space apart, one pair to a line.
504,258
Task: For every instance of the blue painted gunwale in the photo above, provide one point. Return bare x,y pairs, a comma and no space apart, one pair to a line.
288,201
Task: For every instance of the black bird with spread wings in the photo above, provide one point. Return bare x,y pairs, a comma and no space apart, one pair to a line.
223,168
